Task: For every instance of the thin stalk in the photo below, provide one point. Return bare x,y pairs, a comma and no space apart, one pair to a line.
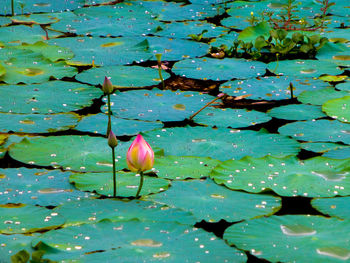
291,90
109,126
140,185
114,176
277,55
12,8
206,105
160,73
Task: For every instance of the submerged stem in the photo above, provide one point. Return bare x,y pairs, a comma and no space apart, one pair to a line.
140,185
114,175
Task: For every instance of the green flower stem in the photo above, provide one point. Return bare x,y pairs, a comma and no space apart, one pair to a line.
109,126
291,87
160,73
12,8
114,176
140,185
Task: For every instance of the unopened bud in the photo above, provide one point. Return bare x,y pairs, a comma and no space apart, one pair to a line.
112,140
107,86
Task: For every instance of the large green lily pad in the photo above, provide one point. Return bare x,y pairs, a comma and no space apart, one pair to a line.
37,123
16,35
337,206
234,118
127,183
70,152
37,187
219,69
298,238
338,109
88,211
341,153
271,88
320,96
220,143
25,66
136,242
123,19
96,123
16,219
123,76
298,112
211,202
318,131
12,244
155,104
37,98
304,68
183,167
321,147
315,177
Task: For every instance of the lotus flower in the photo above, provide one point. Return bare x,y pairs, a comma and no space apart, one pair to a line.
107,86
140,156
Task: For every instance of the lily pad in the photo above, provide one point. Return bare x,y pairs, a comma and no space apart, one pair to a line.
337,206
210,202
37,187
123,76
37,123
16,35
338,109
341,153
24,66
70,152
271,88
97,124
155,104
315,177
298,238
318,131
220,143
320,96
38,19
219,69
37,98
95,210
321,147
164,241
304,68
18,218
127,183
297,112
344,86
183,167
12,244
234,118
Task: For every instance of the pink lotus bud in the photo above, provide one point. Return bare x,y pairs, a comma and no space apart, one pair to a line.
112,140
140,156
107,86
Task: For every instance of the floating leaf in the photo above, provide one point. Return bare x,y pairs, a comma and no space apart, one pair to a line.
127,183
210,202
219,69
164,241
183,167
297,112
37,187
37,123
97,124
18,218
234,118
37,98
338,108
271,88
320,96
318,131
155,104
301,238
221,143
337,206
123,76
12,244
89,211
315,177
